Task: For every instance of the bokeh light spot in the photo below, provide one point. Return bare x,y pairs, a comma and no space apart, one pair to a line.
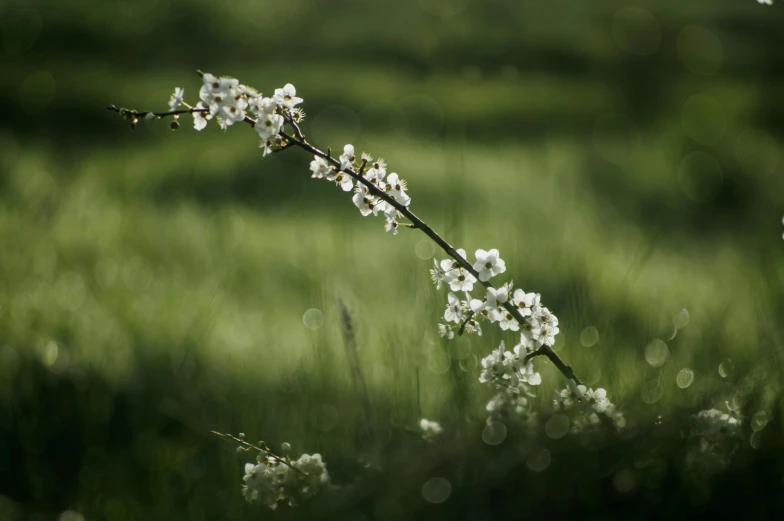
681,319
425,249
684,378
313,318
459,347
436,490
625,481
656,352
438,362
557,426
539,460
70,515
759,421
494,433
651,391
726,367
589,336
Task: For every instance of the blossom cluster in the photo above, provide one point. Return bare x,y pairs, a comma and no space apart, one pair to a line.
715,435
716,427
506,407
539,323
374,178
586,404
430,430
228,101
271,481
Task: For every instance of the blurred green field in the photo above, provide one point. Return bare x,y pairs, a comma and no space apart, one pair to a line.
154,282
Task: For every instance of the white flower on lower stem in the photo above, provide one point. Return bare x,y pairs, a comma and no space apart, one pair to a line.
271,482
287,96
200,118
545,317
345,181
430,429
460,280
766,2
268,124
233,111
597,398
488,264
454,312
525,301
320,167
347,157
267,146
391,226
445,331
526,346
507,321
437,274
176,98
384,208
396,187
544,332
493,365
456,276
377,171
363,200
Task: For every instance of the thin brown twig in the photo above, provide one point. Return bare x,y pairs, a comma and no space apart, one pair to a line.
229,437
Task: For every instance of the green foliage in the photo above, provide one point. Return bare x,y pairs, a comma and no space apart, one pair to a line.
154,282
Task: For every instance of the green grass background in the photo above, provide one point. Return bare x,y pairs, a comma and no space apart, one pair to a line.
154,282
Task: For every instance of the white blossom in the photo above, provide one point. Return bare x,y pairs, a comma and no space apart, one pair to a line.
377,171
525,302
396,187
391,225
176,98
493,365
270,482
362,200
200,118
488,264
287,96
320,167
453,311
430,429
445,331
268,124
347,157
437,275
345,181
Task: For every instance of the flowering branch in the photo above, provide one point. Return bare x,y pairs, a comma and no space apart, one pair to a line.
262,450
419,224
227,101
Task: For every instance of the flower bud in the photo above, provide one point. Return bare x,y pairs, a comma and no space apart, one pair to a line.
174,125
